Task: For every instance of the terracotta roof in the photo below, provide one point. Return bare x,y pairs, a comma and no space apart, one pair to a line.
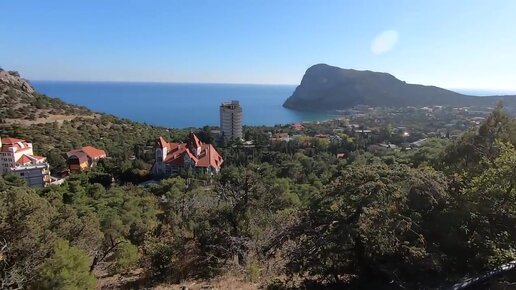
93,152
23,160
195,140
195,160
90,151
81,156
176,159
17,148
162,143
176,155
11,141
27,158
175,146
298,126
207,156
14,143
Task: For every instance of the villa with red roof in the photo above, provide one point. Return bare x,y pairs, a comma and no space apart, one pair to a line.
172,157
297,126
17,156
84,157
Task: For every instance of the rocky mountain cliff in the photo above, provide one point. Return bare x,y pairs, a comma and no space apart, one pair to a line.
327,88
21,104
13,79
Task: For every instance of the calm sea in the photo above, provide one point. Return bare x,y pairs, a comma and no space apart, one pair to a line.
179,105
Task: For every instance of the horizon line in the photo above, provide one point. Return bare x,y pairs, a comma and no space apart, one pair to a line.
455,89
163,82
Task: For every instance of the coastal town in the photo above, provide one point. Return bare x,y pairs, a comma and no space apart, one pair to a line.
138,199
245,145
359,128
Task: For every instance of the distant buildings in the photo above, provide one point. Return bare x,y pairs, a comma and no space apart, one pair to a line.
419,142
297,126
17,156
280,137
172,157
82,158
231,120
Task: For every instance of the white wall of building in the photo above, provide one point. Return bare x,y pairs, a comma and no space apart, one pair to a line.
35,175
231,120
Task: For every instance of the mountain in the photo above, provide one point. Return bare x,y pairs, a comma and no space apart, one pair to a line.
21,104
327,88
13,79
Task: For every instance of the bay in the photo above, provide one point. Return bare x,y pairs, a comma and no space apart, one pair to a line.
179,105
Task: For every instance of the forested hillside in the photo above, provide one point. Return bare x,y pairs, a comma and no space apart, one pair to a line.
284,215
55,127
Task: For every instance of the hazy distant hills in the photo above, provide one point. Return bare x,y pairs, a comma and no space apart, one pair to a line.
326,88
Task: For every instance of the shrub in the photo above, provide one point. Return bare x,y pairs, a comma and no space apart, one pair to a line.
67,268
126,258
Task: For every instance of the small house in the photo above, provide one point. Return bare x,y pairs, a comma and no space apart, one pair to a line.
84,157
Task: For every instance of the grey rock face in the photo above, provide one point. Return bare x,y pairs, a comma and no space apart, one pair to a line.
13,79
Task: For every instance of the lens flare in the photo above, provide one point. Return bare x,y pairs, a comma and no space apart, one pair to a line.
384,41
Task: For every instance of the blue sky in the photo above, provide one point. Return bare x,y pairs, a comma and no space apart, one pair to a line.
449,43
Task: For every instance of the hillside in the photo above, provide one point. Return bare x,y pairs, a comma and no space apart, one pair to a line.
21,104
325,88
56,127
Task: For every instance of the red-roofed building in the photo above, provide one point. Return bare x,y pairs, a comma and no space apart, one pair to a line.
82,158
297,126
172,157
17,156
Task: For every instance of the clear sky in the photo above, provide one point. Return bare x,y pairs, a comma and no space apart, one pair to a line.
449,43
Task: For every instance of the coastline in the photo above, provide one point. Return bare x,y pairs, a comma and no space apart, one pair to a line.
179,105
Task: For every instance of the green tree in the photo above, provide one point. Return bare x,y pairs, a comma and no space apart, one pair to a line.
25,219
14,179
366,228
125,258
467,153
490,199
67,268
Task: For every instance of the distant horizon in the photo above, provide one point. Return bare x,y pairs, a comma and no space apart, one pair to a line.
480,92
163,82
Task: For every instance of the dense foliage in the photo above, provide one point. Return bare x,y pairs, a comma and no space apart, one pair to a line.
377,218
127,143
67,268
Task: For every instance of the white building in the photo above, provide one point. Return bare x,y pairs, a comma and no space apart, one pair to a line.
231,120
16,156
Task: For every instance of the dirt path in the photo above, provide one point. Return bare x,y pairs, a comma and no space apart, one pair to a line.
49,119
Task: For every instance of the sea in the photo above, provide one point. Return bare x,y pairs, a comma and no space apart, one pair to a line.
184,105
180,105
